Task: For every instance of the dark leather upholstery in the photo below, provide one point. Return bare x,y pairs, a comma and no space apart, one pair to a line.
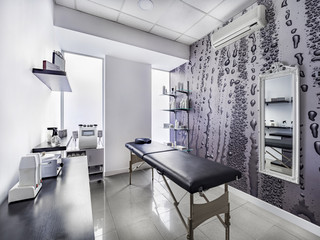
188,171
142,149
279,143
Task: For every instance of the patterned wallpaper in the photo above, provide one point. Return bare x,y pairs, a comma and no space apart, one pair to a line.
224,120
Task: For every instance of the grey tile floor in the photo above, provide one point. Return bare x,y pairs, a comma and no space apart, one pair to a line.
144,211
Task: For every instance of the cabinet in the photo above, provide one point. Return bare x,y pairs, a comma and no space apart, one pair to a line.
95,160
179,104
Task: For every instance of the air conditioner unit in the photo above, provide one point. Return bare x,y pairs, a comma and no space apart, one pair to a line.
249,22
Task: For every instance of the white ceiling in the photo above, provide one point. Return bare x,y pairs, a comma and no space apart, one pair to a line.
184,21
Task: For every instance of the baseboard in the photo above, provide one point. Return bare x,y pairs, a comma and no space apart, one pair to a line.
115,172
278,211
125,170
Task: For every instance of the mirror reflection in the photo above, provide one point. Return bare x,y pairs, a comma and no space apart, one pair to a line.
279,123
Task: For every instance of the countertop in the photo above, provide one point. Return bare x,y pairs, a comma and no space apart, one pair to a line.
46,147
62,209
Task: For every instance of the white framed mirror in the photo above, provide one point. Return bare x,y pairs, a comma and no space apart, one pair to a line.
279,142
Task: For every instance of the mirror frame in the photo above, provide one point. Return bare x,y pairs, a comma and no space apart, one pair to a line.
278,70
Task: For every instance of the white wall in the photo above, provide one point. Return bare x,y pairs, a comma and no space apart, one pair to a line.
160,102
127,109
27,106
84,104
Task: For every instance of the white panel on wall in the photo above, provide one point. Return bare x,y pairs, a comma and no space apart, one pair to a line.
159,102
127,109
84,104
27,106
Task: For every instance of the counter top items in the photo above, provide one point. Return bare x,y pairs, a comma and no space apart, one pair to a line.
62,210
87,136
51,165
47,147
58,60
50,133
30,181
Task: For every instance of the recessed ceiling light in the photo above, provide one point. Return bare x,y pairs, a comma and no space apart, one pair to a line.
145,4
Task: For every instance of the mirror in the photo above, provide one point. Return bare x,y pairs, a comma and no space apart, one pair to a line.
279,122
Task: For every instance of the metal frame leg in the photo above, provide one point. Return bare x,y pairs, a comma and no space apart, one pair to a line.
130,169
227,215
190,225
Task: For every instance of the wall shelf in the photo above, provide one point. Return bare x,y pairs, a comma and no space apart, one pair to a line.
185,91
54,80
179,129
177,109
267,126
280,101
176,94
169,94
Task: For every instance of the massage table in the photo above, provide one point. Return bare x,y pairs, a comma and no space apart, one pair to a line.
192,173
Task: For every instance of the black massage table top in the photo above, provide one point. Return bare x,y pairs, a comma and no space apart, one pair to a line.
141,149
190,172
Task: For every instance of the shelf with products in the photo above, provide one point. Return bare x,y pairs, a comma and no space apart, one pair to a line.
180,102
169,94
185,91
178,129
53,74
282,127
279,101
177,109
95,158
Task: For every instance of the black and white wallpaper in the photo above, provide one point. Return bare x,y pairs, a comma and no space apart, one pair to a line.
224,118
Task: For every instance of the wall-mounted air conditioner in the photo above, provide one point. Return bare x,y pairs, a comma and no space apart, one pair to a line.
249,22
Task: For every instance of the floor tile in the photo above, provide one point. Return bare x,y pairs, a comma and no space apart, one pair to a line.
278,234
103,222
297,231
143,230
113,235
250,223
145,211
214,230
198,235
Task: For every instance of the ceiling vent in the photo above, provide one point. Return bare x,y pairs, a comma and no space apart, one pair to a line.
249,22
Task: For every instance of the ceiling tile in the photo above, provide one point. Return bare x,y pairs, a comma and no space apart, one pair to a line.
115,4
186,39
180,17
163,32
159,7
97,10
134,22
203,27
229,8
204,5
66,3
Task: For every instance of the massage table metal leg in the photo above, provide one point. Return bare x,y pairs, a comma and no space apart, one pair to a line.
227,215
190,226
134,159
176,203
152,174
130,169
